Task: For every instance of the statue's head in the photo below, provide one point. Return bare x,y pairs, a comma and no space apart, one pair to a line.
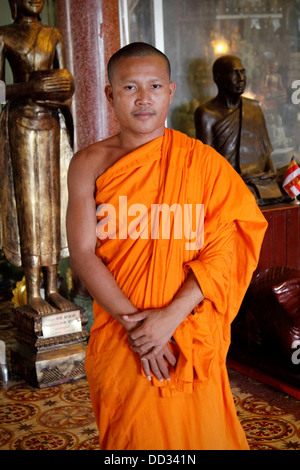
229,74
26,7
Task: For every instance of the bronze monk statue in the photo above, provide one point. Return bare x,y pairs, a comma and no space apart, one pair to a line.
34,151
236,128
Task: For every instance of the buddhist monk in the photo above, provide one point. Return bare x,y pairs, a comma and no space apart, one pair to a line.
166,239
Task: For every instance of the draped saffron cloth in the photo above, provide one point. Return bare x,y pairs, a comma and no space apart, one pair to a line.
195,410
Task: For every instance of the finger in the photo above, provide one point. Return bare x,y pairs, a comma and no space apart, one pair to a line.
153,352
140,341
163,367
155,369
135,335
146,367
170,357
143,350
138,332
135,316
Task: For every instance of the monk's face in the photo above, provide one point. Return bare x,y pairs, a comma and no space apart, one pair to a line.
141,93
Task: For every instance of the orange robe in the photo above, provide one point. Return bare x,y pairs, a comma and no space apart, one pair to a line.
195,410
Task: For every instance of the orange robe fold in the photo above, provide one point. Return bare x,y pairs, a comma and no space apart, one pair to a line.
195,410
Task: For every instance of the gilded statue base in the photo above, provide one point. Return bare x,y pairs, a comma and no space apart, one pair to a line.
50,349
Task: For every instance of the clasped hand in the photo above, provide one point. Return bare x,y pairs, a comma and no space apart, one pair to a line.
150,340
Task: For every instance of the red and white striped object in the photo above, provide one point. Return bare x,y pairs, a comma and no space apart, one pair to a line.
291,183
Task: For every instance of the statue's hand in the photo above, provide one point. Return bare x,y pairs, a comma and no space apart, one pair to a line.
263,177
57,85
50,84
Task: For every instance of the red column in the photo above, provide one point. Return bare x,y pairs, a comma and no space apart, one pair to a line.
91,35
90,29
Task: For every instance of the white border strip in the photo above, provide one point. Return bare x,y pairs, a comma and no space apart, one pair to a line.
123,22
159,25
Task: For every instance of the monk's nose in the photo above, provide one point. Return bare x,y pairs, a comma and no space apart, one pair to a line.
143,98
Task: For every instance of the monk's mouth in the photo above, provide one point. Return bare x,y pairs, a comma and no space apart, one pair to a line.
144,115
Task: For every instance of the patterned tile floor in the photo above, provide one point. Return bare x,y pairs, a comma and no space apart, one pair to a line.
54,418
61,417
267,426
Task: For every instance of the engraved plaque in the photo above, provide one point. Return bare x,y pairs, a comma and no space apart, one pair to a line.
61,324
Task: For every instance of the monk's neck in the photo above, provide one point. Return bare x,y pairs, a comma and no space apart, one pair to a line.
130,142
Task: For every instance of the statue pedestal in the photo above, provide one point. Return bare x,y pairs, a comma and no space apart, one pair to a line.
50,349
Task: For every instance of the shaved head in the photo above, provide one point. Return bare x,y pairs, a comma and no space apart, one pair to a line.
135,49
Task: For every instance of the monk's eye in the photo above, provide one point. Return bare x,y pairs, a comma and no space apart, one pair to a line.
156,86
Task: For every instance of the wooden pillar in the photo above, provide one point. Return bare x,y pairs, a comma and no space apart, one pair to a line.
91,35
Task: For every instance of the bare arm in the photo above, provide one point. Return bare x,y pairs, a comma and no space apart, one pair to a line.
81,231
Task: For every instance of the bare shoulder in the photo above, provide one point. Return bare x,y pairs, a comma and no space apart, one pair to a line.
86,163
90,162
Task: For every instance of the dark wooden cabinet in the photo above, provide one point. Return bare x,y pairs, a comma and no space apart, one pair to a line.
281,245
262,333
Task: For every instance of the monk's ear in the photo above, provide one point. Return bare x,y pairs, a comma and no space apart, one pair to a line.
172,91
109,93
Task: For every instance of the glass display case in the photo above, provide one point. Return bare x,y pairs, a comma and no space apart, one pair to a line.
264,34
